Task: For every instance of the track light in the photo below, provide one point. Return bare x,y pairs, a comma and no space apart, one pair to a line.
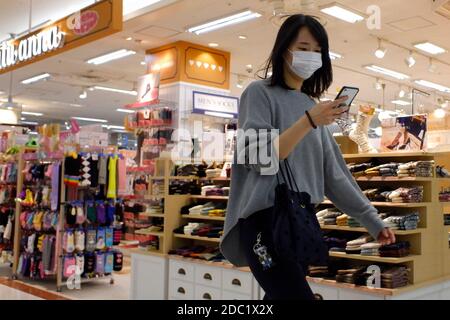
83,94
240,82
432,67
380,52
439,113
401,93
410,61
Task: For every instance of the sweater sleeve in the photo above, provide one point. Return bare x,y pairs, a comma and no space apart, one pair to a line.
256,134
342,189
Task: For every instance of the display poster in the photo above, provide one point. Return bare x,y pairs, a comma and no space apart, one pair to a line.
407,133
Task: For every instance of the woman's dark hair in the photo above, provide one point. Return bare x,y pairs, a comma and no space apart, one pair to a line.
322,78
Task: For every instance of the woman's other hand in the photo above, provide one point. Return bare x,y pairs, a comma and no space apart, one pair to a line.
326,112
386,237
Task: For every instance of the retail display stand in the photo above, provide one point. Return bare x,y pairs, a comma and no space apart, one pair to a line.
62,278
429,261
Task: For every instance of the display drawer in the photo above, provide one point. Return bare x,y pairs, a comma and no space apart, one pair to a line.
180,270
209,276
231,295
238,281
181,290
207,293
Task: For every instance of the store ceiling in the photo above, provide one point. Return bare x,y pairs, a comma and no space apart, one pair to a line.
404,22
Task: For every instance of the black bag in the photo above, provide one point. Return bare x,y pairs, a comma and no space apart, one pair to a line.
297,233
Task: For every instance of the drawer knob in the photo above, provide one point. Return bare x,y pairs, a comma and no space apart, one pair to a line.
182,271
207,296
207,276
181,290
236,282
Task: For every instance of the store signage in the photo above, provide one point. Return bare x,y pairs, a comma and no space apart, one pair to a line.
215,105
99,20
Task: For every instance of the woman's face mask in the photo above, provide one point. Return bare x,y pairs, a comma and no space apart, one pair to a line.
305,63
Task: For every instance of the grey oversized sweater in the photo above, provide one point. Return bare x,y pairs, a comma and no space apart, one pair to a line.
317,165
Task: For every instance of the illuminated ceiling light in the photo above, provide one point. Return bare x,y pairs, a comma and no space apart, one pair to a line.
240,82
378,85
83,94
381,51
387,72
224,22
130,92
213,45
401,93
143,63
36,114
335,56
401,102
111,56
242,37
39,77
113,127
342,14
124,110
439,113
432,85
90,119
430,48
31,123
131,6
410,61
218,114
129,38
23,119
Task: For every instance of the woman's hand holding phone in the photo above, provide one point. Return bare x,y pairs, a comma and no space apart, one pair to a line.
326,112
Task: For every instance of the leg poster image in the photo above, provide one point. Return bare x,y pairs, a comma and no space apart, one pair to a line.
404,133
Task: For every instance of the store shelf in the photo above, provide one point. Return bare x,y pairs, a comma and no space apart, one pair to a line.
345,228
183,178
393,179
371,258
224,264
155,233
201,217
210,197
157,178
153,215
389,155
378,291
147,252
185,236
392,204
217,179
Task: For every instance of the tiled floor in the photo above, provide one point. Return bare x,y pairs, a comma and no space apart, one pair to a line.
96,290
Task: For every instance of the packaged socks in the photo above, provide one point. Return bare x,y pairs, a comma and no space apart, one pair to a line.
79,239
81,218
89,264
91,240
101,234
80,263
91,212
109,239
118,261
69,266
69,241
71,215
101,213
109,262
99,263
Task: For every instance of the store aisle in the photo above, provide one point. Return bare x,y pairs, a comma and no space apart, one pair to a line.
7,293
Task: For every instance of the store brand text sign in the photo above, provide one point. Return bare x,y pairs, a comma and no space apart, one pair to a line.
215,105
99,20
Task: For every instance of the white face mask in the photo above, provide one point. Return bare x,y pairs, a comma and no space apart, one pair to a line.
305,63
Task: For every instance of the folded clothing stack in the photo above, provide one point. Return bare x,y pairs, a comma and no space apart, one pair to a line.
187,170
407,195
354,246
370,249
378,194
447,219
389,169
396,250
184,187
328,216
335,244
444,195
353,223
213,173
212,209
155,209
318,272
372,172
201,230
342,220
355,275
395,277
403,222
442,172
357,169
416,169
320,214
200,252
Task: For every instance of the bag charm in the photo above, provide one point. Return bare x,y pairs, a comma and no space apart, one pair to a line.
261,251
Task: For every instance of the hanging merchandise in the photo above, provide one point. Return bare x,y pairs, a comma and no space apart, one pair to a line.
112,182
360,133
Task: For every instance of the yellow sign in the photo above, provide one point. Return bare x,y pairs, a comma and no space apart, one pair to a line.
89,24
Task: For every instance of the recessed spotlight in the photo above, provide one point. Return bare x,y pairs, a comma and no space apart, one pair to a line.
213,45
410,61
83,94
439,113
249,66
129,38
143,63
242,37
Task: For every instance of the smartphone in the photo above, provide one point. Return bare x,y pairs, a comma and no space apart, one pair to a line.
350,92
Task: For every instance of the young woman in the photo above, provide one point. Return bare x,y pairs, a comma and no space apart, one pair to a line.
302,72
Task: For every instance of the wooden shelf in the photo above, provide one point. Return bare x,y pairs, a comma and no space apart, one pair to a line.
393,179
371,258
183,178
210,197
157,177
148,252
346,228
392,204
224,264
154,233
390,155
185,236
217,179
201,217
154,215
